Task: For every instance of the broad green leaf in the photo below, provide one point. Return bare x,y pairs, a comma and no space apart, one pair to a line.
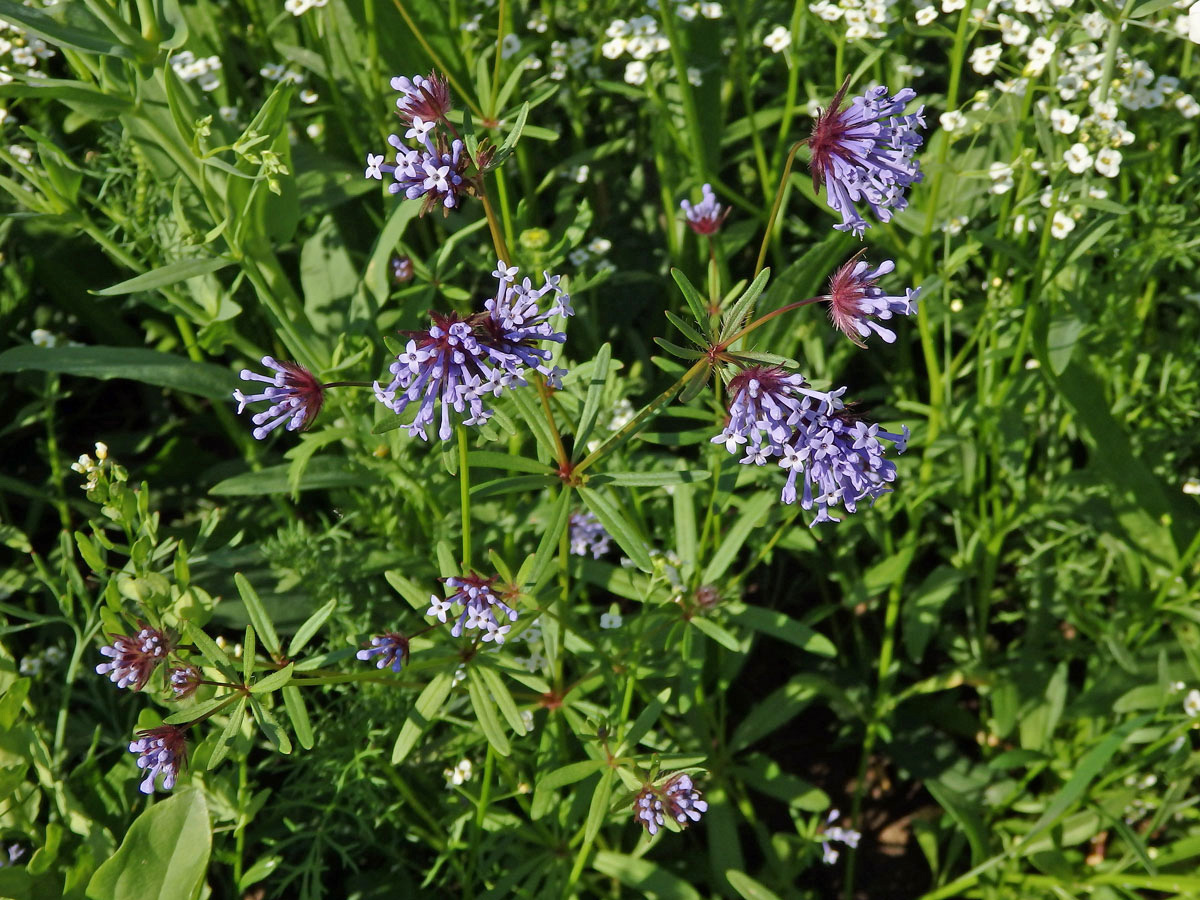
164,855
135,363
293,702
615,524
425,710
169,274
775,624
645,878
258,614
274,681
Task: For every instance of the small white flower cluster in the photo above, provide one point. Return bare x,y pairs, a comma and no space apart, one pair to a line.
779,39
33,666
597,248
19,55
202,70
459,774
300,7
639,38
863,19
280,72
91,468
568,56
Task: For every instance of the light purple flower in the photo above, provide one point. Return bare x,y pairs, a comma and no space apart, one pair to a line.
391,648
161,751
421,97
477,603
587,535
814,434
677,799
836,835
456,362
707,216
866,152
134,658
295,395
855,303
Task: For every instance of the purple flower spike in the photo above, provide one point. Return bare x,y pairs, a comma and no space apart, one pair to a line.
677,798
391,648
161,751
765,404
134,658
707,216
476,604
456,362
294,393
812,433
422,97
435,173
855,302
865,152
588,535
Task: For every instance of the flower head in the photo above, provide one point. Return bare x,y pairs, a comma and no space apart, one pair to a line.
707,216
855,303
391,648
422,97
836,835
456,362
161,751
765,404
402,269
865,152
677,799
134,658
587,535
184,680
476,604
294,393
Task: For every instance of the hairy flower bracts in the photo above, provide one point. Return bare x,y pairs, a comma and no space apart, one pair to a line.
161,751
855,302
391,648
814,434
865,152
437,168
475,603
134,658
678,800
294,393
456,361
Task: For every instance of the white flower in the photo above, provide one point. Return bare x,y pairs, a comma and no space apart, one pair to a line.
956,225
1078,159
535,662
1108,162
949,6
1061,225
296,7
1191,703
1002,177
1187,106
308,96
635,73
984,59
599,245
510,46
610,620
711,10
22,154
618,28
926,14
1041,51
1192,486
778,40
1012,31
693,76
1097,193
538,22
613,48
686,12
272,71
578,257
40,337
1194,23
952,121
1064,122
459,774
228,113
1023,224
313,130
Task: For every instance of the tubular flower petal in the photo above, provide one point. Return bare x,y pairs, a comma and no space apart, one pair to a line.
134,659
855,303
707,216
477,604
161,751
391,648
294,393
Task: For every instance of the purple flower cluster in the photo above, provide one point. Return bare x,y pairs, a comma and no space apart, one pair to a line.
476,604
707,216
161,751
855,302
294,393
134,658
457,362
678,799
836,835
815,434
391,648
436,168
587,535
866,152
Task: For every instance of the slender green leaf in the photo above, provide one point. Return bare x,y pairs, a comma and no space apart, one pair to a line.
425,710
591,403
169,274
258,615
134,363
311,626
485,712
615,524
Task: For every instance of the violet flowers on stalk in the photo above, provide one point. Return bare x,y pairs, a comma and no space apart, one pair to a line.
866,152
456,362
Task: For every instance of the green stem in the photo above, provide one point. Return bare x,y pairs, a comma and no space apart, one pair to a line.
787,171
464,496
762,320
644,414
501,22
666,14
435,59
544,394
494,227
